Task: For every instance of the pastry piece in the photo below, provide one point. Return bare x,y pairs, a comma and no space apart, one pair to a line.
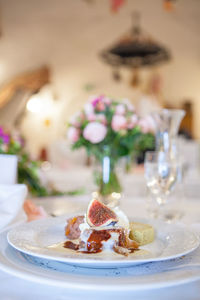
72,230
141,233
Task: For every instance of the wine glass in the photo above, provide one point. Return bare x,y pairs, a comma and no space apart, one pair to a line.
162,174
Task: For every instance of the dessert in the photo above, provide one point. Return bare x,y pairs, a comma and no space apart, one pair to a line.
101,229
142,233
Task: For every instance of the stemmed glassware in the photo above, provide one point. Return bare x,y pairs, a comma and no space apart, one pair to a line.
162,167
162,175
167,122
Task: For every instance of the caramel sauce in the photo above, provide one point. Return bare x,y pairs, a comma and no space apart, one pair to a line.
132,250
71,245
94,242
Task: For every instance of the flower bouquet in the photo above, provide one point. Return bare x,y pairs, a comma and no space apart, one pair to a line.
109,130
28,169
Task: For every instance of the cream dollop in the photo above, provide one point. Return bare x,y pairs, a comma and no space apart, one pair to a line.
122,218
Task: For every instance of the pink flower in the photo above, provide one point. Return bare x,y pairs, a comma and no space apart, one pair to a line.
120,109
95,132
147,124
101,118
4,137
88,108
100,106
107,101
118,122
76,119
98,103
95,101
92,117
97,117
132,121
73,134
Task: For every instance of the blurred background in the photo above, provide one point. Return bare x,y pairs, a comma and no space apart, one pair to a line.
55,54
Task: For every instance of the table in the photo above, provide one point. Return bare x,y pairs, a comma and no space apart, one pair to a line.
12,288
17,289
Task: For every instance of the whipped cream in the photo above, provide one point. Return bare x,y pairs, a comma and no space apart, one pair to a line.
108,245
122,218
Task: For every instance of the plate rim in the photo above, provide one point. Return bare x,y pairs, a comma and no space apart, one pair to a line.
27,275
98,263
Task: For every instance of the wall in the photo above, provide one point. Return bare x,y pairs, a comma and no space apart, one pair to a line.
69,34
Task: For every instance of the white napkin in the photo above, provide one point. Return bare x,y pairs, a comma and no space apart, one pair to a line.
11,204
8,169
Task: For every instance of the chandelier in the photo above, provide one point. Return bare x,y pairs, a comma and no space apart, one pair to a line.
135,49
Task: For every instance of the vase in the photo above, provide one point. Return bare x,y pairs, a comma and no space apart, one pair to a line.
167,127
106,177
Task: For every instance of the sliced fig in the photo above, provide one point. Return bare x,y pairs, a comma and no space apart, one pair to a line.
99,214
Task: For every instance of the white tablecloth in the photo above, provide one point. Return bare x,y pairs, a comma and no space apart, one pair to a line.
18,289
134,205
12,288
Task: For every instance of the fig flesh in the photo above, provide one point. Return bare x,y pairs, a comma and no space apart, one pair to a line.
99,214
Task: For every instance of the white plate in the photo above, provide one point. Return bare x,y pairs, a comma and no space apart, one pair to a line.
117,280
35,238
